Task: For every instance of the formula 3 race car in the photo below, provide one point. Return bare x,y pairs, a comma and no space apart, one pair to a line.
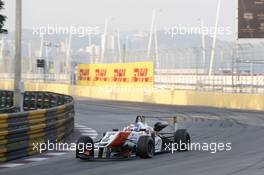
137,139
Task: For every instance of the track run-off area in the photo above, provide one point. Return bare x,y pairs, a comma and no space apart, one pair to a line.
243,129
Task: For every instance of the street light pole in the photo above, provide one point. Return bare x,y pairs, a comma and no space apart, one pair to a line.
214,39
152,26
17,83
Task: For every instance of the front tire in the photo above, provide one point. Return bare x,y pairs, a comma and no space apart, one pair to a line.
145,147
182,139
83,141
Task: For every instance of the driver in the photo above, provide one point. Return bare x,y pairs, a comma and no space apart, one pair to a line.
135,127
139,126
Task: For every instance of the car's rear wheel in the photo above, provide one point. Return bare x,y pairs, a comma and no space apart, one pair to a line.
82,143
182,139
145,147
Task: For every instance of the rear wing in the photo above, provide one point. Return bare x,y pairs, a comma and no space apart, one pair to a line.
174,119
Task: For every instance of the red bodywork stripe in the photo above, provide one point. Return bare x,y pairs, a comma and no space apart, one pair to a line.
120,139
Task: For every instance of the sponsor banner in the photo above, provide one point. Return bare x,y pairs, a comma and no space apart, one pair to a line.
250,18
126,74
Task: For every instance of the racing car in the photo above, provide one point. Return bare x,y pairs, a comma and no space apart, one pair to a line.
136,139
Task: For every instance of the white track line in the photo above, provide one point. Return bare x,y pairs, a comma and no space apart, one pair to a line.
89,131
36,159
11,165
83,128
55,154
79,126
85,131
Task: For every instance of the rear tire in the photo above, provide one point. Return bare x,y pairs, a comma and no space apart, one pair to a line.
182,139
145,147
84,140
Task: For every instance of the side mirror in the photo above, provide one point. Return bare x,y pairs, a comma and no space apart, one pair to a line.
160,126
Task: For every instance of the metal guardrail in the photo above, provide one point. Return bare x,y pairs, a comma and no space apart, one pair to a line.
39,77
6,101
19,132
216,83
42,100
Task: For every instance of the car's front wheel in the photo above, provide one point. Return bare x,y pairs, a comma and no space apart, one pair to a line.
182,139
145,147
84,147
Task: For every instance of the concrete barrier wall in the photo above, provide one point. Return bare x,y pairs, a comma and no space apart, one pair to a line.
171,97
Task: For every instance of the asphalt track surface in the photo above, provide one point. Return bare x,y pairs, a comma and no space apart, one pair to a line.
244,129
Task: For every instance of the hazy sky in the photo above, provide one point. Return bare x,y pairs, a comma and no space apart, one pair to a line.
125,14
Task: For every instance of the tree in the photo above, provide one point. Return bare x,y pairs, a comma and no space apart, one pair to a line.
2,18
